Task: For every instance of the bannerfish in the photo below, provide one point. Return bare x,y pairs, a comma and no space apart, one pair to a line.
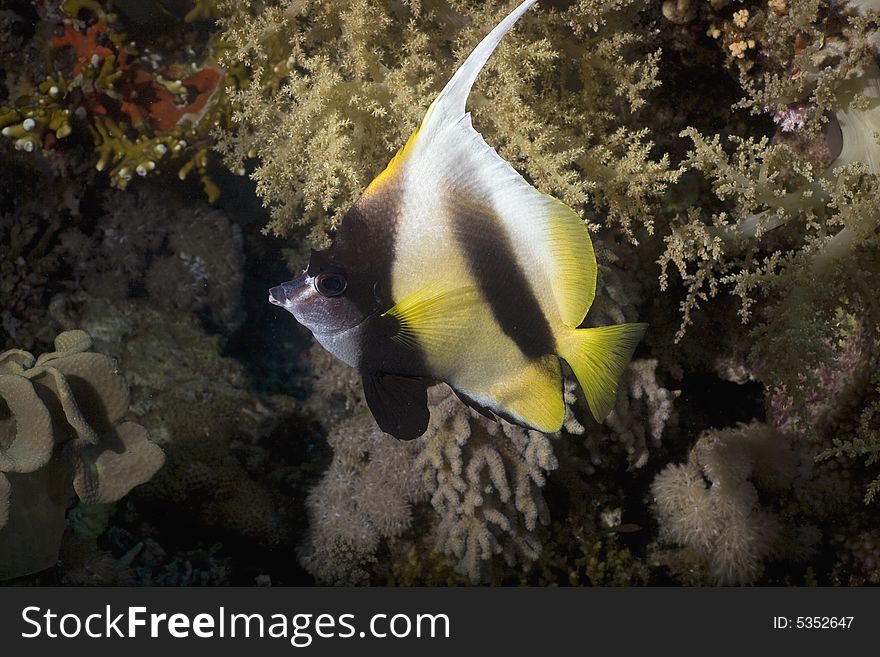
452,268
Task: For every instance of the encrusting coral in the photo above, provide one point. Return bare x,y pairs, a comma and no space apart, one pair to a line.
144,113
62,431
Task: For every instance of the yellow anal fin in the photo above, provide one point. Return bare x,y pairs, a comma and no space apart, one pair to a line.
598,357
434,317
531,396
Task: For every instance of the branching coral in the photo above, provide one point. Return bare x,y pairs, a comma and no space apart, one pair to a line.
641,414
333,94
783,230
572,558
62,431
786,213
787,218
485,480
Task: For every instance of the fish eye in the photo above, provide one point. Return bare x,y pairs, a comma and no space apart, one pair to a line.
330,284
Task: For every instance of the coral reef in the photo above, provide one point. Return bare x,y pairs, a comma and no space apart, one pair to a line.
39,213
724,155
759,493
575,559
184,257
64,432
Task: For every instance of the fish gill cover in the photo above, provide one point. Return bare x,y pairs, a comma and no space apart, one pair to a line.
723,155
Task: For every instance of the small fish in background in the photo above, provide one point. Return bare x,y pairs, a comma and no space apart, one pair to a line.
452,268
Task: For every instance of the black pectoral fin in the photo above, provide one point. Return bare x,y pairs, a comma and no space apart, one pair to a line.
399,404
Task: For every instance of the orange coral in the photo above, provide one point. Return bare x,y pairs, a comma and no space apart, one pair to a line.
165,113
84,45
137,93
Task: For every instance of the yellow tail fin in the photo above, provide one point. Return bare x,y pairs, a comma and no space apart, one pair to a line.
598,357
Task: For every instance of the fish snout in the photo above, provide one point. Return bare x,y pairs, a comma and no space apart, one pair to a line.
285,295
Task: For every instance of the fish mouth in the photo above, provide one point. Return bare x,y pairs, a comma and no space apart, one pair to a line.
283,295
276,296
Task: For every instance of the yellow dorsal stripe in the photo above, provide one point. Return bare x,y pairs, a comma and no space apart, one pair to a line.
395,165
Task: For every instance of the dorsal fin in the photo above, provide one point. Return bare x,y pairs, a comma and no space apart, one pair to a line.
450,104
450,163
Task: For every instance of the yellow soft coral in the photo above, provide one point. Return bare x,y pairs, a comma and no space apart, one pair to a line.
333,94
